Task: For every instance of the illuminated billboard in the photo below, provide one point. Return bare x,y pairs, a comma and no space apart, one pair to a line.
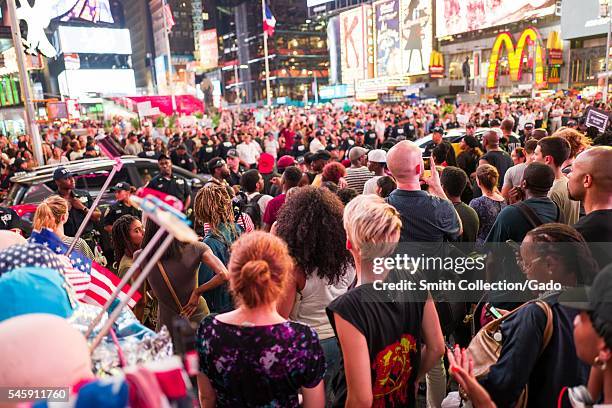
416,35
460,16
209,49
355,30
80,82
94,40
387,38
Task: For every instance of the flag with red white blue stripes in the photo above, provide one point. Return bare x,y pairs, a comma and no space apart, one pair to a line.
102,281
269,22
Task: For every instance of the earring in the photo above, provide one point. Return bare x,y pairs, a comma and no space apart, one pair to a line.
599,363
550,272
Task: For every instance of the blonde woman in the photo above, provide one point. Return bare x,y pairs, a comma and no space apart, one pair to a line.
371,323
52,214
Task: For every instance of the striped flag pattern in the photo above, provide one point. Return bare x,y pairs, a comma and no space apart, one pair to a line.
102,282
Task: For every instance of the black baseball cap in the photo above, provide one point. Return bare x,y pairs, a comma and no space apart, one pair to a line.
163,157
62,173
232,153
596,298
122,186
215,163
438,129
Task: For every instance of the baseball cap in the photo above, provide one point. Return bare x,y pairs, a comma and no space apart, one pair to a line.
215,163
356,152
232,153
181,147
359,131
438,129
285,162
331,147
321,155
62,173
266,163
163,157
377,156
33,290
596,298
122,186
529,125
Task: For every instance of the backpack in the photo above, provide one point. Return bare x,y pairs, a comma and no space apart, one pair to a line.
242,204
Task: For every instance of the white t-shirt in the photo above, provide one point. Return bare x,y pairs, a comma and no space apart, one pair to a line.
370,186
271,147
249,153
316,145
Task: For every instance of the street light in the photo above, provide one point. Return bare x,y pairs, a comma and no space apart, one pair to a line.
604,12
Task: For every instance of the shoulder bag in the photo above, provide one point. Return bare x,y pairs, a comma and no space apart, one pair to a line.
201,312
485,347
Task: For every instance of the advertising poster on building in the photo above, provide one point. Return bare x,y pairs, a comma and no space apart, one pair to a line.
416,35
209,50
460,16
388,52
353,45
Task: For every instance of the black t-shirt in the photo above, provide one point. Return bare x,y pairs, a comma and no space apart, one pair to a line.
299,149
149,154
206,153
117,210
501,161
223,148
596,228
392,330
469,220
175,186
370,138
76,217
183,160
468,162
9,219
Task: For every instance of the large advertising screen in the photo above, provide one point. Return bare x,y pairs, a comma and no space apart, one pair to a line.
388,51
94,40
460,16
209,49
353,45
416,39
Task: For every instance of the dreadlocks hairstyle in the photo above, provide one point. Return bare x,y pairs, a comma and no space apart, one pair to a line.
120,236
564,242
213,205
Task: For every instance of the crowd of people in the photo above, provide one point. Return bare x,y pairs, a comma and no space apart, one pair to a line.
299,204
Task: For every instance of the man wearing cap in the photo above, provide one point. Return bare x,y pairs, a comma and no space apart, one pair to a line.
168,183
148,151
9,219
470,129
225,147
182,159
206,153
249,151
377,161
236,169
495,156
318,161
79,201
131,145
347,144
122,206
319,142
358,174
527,133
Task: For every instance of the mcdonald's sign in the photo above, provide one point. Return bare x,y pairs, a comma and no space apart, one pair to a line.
515,56
554,46
436,65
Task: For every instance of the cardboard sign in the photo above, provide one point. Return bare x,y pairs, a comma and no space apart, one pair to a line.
598,119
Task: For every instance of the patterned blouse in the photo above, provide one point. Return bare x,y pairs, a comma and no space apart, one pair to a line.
487,210
259,366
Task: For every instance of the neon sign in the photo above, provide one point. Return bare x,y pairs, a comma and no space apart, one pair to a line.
515,56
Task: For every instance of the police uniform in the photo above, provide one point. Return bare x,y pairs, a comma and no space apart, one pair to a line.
9,219
117,210
76,217
174,186
206,153
370,138
182,160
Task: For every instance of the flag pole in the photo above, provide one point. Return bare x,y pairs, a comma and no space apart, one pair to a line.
167,38
265,39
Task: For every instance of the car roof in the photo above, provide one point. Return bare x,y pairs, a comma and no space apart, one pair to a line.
450,133
44,174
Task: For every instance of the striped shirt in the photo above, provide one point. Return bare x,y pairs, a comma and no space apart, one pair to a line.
357,177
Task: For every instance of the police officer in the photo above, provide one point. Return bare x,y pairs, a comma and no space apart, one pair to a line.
123,205
206,153
371,138
181,158
148,151
168,183
80,203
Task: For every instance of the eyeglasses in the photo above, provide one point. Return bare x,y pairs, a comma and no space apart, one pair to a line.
525,266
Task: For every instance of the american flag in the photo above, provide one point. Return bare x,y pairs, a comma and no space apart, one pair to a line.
103,282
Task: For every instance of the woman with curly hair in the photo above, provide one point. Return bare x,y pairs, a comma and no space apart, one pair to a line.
578,143
126,236
213,206
310,223
333,172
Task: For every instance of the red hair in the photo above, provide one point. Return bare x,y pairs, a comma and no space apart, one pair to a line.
333,172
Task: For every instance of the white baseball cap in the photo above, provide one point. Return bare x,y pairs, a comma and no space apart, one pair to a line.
377,156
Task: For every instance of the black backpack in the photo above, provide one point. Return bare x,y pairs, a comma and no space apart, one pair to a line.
242,204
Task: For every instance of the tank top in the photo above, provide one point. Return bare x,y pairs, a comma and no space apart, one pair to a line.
310,302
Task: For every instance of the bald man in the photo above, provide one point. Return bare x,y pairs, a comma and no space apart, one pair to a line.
495,155
426,216
591,182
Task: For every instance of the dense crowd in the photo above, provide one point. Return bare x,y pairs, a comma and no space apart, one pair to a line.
298,205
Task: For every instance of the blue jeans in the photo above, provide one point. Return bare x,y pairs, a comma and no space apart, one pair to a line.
332,360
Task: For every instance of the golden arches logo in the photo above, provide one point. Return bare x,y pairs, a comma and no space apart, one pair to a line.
436,59
515,56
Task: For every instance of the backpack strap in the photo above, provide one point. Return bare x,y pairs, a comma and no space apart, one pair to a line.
529,214
162,270
548,330
256,199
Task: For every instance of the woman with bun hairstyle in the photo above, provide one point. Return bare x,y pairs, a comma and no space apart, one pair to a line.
252,356
489,204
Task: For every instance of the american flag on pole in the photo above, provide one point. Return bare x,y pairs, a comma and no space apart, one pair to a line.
102,281
269,21
168,17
